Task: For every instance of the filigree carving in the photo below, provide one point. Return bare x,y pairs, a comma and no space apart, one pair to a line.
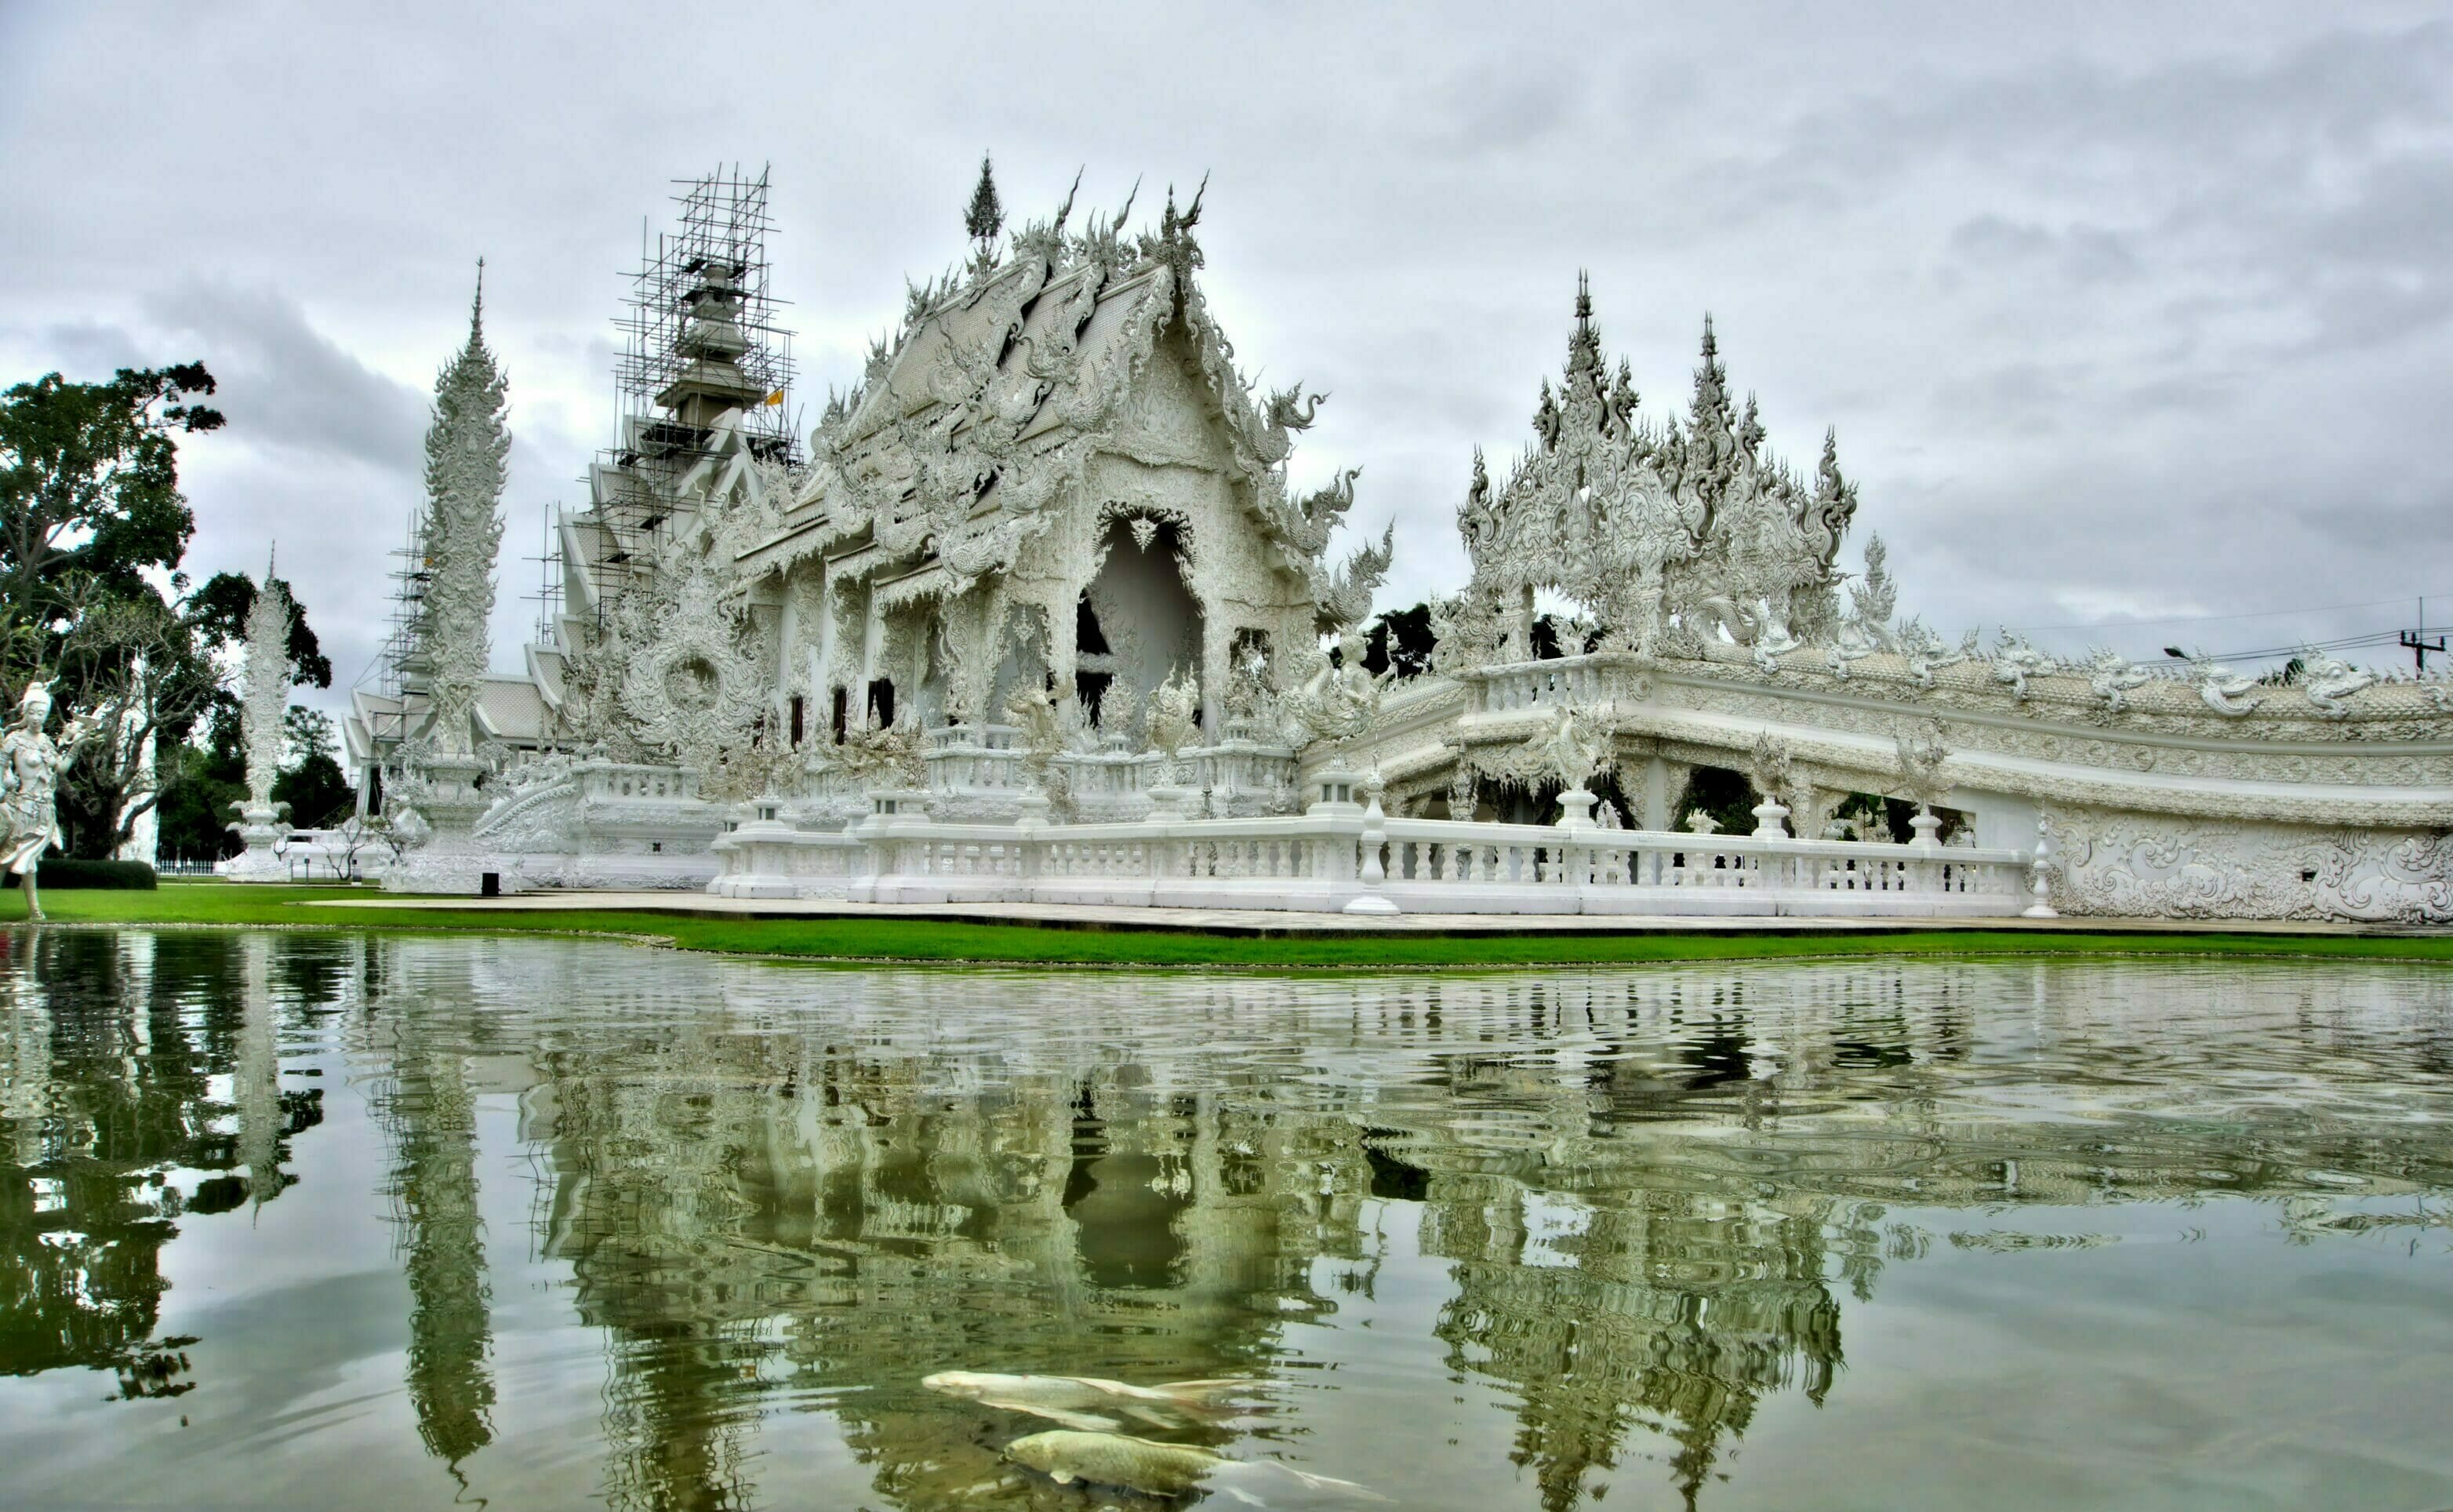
1339,703
1174,709
686,682
888,756
2140,867
265,690
1638,522
2329,682
1921,758
467,447
1574,747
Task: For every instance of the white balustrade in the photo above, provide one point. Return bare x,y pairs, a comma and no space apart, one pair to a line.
1315,862
984,767
620,780
1578,680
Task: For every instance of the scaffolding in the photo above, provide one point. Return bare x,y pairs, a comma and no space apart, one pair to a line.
400,666
549,597
700,337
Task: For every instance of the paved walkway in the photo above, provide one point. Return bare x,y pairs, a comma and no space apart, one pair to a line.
1270,921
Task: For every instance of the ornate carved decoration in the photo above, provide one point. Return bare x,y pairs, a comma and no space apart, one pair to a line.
2142,866
1637,520
683,674
467,447
264,689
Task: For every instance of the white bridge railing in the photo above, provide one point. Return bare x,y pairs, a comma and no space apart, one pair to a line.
1335,857
982,772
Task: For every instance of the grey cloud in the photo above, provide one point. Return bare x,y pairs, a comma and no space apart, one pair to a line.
284,384
2400,215
2347,93
2028,396
1993,238
1502,104
2094,255
89,351
1994,244
2115,307
2201,393
2357,314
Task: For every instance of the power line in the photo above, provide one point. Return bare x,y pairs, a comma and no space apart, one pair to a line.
2209,619
2347,642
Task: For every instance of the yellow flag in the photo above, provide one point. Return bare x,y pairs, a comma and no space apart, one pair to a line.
775,398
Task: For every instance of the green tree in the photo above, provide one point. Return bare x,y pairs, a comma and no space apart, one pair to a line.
162,665
1402,639
1723,794
201,782
91,513
312,784
1557,635
89,495
136,655
219,611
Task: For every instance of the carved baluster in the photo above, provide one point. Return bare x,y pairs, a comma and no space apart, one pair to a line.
2040,866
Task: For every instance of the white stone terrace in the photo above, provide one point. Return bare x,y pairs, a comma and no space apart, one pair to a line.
1343,857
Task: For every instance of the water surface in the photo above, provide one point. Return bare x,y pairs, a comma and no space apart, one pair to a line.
335,1221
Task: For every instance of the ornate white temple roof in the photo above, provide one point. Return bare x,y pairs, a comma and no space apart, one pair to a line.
1003,382
509,709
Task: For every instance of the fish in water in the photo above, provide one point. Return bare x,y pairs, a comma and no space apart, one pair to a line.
1161,1469
1083,1402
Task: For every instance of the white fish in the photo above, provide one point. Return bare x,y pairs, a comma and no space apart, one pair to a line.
1160,1469
1076,1401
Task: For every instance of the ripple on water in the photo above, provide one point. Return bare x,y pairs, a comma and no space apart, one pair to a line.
566,1223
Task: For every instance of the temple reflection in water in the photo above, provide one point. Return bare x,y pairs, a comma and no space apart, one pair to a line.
1650,1192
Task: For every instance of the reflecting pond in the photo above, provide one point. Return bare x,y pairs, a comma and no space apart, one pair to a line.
298,1219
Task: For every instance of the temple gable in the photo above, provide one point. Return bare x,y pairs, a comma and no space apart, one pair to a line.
1169,416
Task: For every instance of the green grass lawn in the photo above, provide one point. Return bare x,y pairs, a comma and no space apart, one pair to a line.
928,939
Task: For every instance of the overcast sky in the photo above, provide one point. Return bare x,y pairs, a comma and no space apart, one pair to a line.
2127,316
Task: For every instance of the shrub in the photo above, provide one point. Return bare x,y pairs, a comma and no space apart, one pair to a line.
65,873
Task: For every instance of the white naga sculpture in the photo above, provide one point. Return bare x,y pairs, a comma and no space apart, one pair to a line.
263,700
1921,759
31,764
1577,750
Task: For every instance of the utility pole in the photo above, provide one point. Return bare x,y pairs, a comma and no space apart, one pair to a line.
2416,643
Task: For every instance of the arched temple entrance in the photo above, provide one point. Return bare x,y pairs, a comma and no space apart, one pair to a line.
1138,621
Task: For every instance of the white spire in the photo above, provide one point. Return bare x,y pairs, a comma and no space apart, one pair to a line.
264,687
466,449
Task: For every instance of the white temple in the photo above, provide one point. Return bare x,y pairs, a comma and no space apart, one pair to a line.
1033,615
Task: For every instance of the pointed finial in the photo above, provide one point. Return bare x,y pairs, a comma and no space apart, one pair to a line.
1710,347
1584,347
984,216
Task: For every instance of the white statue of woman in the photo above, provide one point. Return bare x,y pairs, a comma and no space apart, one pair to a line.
31,764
